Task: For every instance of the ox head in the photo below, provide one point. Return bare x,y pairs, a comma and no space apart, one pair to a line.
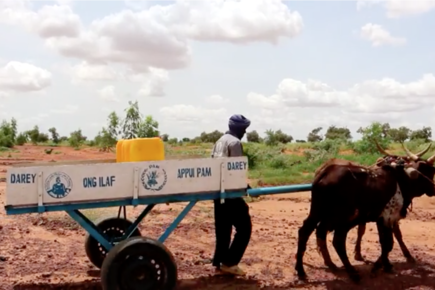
419,170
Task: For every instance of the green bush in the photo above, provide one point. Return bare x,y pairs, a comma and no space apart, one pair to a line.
21,139
6,141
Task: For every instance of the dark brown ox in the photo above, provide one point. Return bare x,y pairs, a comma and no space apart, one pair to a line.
386,160
346,195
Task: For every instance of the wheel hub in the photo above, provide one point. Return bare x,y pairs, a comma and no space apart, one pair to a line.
140,274
111,233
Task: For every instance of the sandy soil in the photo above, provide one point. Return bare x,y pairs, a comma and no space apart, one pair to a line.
47,251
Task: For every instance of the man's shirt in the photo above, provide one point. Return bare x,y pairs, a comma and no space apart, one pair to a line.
227,146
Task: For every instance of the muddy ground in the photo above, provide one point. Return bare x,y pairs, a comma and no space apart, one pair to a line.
47,251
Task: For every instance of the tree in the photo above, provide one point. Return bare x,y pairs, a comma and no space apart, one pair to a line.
34,135
113,126
76,138
211,137
148,128
173,141
314,135
275,137
133,126
21,139
385,129
369,134
185,139
400,134
334,133
43,137
13,128
165,138
107,138
282,137
132,122
54,135
253,137
8,133
424,134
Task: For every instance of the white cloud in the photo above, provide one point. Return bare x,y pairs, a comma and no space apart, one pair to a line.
217,100
68,109
23,77
240,21
49,21
400,8
158,36
379,36
193,114
93,72
294,93
372,96
153,83
108,94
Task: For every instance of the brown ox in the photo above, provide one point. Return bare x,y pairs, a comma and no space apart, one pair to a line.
387,159
346,195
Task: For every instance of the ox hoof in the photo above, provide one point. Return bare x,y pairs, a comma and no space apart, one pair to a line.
332,267
411,260
388,268
302,276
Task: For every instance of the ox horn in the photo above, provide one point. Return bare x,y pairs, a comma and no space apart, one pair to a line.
409,153
431,159
381,149
422,152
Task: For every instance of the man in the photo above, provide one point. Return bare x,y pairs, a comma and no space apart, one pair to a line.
231,212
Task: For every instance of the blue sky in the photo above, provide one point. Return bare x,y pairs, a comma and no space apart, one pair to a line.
325,73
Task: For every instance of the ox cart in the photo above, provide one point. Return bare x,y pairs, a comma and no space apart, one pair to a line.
127,259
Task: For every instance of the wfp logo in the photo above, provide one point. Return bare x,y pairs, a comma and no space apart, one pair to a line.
154,178
58,185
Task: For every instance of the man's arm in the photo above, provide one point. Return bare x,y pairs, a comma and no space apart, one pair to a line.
235,149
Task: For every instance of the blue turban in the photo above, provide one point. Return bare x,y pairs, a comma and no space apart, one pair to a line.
238,123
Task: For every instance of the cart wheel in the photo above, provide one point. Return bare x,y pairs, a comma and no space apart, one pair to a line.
112,227
139,263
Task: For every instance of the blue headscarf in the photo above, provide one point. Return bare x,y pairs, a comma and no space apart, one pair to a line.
238,125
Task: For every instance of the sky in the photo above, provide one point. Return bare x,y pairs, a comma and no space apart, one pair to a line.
191,64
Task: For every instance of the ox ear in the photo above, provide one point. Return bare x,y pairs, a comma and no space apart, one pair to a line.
411,172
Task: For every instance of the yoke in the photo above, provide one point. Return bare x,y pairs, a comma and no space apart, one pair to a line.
115,245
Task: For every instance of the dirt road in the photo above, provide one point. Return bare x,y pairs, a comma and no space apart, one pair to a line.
47,251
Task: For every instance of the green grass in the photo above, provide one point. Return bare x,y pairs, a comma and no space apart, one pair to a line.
293,163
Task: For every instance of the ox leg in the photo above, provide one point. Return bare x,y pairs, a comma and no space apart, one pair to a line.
398,234
361,232
304,234
339,242
386,240
321,233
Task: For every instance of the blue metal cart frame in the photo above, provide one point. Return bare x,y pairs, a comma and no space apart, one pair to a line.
74,209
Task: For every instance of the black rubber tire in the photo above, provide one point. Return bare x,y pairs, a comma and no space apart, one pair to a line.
97,253
139,255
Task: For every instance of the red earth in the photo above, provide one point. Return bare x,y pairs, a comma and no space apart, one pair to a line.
46,251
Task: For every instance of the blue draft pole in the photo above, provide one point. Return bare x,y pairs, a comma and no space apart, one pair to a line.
279,189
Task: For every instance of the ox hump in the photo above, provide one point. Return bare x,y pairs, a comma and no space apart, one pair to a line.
391,213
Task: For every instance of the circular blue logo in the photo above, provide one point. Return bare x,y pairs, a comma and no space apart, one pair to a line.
58,185
154,178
